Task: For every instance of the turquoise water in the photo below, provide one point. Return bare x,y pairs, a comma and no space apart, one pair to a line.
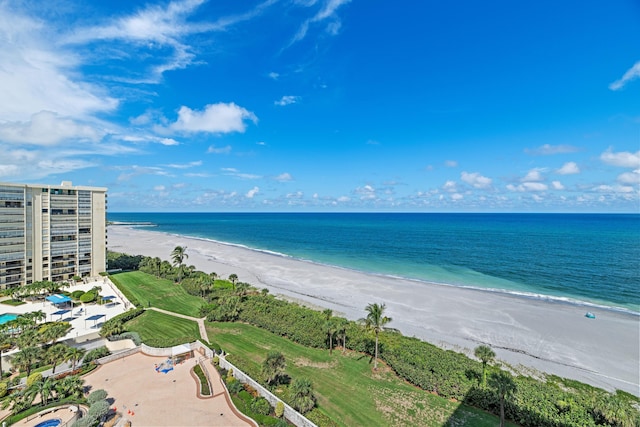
54,422
591,259
7,317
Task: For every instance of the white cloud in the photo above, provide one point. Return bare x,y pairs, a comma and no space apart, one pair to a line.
476,180
457,196
251,193
284,177
185,165
297,195
273,75
614,189
528,186
219,150
366,193
569,168
215,118
547,150
631,74
287,100
47,128
449,186
343,199
622,159
533,175
557,185
630,177
451,163
262,143
159,188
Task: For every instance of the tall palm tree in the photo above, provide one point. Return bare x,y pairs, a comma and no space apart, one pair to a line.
74,355
376,321
341,330
55,354
44,387
72,385
178,255
25,359
486,355
273,366
504,385
233,278
54,332
329,326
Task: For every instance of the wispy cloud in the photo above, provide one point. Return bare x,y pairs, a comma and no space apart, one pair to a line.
219,150
251,193
631,74
237,174
534,175
451,164
287,100
528,186
327,12
284,177
548,150
185,165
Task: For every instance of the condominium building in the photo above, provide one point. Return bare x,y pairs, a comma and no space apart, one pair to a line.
51,232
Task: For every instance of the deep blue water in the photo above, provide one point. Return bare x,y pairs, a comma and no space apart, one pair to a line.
584,258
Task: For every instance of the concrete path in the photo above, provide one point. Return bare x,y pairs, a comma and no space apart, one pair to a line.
200,322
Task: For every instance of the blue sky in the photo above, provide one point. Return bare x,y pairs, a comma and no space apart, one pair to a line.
326,105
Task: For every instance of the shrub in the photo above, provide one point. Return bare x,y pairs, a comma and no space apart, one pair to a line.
279,409
77,294
96,396
215,361
34,378
133,336
98,410
96,353
88,297
3,389
235,386
261,406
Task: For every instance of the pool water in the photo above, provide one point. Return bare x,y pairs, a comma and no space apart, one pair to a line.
54,422
7,317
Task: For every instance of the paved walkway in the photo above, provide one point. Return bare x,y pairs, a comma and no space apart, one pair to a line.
200,322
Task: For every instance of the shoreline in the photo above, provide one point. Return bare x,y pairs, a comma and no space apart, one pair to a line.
548,335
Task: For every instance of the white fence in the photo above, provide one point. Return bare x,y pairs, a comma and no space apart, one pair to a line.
289,413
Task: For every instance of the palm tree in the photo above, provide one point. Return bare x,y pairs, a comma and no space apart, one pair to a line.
25,359
273,366
54,332
74,355
301,395
375,321
341,330
72,385
329,326
233,278
6,343
178,255
55,354
44,387
504,385
486,355
242,289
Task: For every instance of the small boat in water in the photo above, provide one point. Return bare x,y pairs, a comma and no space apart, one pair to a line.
590,315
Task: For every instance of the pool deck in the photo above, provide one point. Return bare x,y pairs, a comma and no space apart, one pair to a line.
64,414
158,399
81,327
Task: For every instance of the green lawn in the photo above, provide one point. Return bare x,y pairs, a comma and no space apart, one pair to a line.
160,293
346,386
163,330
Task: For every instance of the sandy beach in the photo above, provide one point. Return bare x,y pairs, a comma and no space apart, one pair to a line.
551,337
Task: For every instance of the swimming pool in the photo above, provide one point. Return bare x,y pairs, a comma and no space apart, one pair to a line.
54,422
7,317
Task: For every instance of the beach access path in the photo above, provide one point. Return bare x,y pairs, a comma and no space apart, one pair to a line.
532,334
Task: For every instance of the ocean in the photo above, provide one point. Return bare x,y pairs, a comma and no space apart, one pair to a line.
587,259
